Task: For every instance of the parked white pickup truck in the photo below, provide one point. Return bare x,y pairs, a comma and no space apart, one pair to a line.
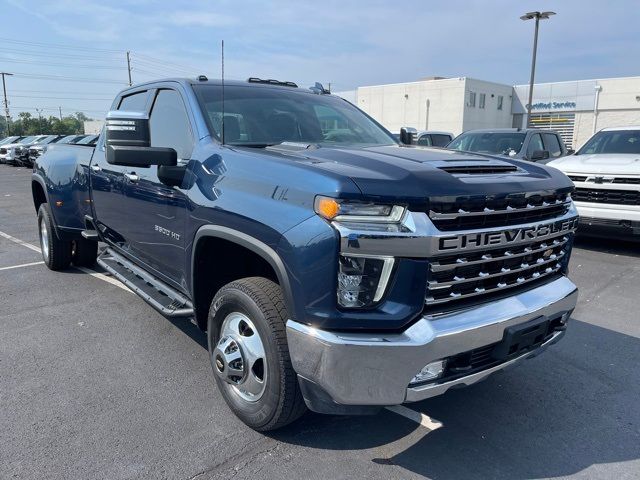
606,172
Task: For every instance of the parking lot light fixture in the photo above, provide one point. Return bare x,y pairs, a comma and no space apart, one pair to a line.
537,16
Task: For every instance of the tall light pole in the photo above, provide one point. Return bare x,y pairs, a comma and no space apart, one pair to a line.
6,102
531,16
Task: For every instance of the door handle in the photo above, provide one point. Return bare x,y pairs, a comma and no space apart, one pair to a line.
132,177
96,168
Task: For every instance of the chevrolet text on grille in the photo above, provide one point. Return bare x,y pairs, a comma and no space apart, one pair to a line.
505,237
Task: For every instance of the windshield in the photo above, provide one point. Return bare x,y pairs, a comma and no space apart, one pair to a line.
27,140
502,143
259,117
619,141
8,140
66,139
87,140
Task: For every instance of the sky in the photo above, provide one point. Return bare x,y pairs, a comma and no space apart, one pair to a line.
72,53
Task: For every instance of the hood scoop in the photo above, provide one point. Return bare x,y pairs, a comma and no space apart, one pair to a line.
477,167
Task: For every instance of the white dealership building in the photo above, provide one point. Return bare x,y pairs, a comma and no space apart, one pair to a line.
575,108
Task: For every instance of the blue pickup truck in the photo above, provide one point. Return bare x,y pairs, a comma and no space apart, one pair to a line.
332,268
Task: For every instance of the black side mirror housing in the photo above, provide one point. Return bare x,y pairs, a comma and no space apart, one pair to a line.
539,155
172,176
128,142
571,151
407,135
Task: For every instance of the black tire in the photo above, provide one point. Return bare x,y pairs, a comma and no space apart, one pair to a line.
260,300
56,253
84,252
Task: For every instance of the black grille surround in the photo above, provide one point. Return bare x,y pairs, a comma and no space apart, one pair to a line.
474,212
467,278
615,197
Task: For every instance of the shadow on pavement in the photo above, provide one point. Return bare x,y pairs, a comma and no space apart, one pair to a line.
608,245
572,407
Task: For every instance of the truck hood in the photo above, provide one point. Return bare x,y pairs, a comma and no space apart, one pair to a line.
605,163
407,172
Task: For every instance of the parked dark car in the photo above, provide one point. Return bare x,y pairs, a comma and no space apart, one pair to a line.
38,149
8,151
532,144
23,155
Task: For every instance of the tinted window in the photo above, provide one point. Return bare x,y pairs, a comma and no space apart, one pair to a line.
425,141
134,103
503,143
260,116
500,101
440,140
483,100
552,144
169,124
620,141
534,144
472,99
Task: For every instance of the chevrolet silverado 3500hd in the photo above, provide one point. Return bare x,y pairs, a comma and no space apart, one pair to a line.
331,267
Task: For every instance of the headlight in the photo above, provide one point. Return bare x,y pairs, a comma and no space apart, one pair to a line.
362,281
348,211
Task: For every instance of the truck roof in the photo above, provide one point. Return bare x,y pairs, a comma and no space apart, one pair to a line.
230,83
615,129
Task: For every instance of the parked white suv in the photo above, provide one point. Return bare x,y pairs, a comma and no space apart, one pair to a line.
606,172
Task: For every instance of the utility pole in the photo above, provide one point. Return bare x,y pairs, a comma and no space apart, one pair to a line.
39,112
60,110
6,102
129,66
531,16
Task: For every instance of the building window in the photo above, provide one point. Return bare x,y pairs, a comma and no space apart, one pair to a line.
472,99
483,100
500,101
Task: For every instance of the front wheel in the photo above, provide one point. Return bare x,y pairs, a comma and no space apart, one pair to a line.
56,253
249,354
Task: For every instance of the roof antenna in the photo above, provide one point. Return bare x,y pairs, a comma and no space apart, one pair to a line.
222,92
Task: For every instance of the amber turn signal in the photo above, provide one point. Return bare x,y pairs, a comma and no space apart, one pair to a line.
327,207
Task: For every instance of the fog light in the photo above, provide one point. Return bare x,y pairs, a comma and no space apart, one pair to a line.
430,372
362,280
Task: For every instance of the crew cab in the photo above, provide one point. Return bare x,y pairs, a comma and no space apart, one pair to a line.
331,267
606,172
532,144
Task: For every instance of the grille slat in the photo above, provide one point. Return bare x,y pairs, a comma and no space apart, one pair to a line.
466,213
508,254
473,275
618,197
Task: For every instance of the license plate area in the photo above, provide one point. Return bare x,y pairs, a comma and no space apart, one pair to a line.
521,339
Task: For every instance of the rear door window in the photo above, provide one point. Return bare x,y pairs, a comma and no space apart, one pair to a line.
552,144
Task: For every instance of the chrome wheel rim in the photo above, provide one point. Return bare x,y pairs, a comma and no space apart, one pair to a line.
240,358
44,240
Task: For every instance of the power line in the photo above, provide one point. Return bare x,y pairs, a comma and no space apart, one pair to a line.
39,63
63,98
164,62
58,45
40,53
70,79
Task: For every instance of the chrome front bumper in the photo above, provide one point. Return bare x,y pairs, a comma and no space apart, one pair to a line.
376,369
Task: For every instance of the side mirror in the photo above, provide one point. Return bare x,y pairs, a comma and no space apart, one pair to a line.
539,155
127,142
570,151
407,134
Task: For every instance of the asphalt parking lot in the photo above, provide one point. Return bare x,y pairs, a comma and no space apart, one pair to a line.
96,384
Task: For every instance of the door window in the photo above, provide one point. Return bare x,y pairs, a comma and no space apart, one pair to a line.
425,141
534,144
440,140
169,124
134,103
552,144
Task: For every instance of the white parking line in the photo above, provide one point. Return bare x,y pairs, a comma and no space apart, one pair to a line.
417,417
93,273
20,266
20,242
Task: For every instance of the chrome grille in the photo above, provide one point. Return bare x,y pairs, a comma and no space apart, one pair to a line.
481,212
455,278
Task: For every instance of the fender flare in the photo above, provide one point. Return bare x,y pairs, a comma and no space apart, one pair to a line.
251,243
